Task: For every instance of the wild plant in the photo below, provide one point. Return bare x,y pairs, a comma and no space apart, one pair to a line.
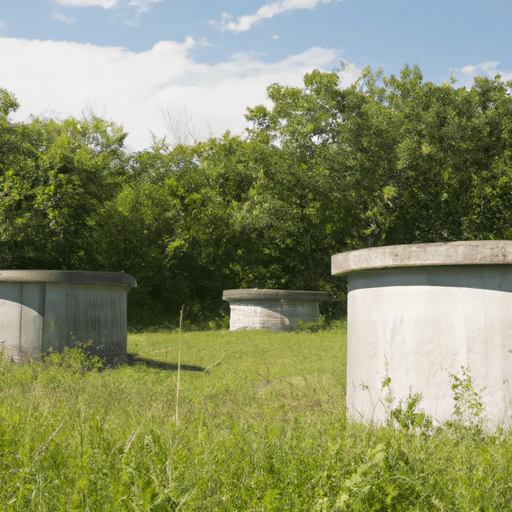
78,359
321,324
407,416
406,413
469,410
358,487
179,367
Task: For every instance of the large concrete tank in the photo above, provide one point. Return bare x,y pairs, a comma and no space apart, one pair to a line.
418,313
272,310
43,309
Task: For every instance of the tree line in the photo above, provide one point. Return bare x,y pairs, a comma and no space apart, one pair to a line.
325,169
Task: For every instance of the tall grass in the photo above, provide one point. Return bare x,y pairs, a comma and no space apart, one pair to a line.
262,429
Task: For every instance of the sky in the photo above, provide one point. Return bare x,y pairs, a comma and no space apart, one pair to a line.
171,67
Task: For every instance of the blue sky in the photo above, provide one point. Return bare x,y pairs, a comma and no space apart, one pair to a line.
172,67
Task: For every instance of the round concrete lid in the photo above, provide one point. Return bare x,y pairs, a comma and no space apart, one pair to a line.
68,277
482,252
256,294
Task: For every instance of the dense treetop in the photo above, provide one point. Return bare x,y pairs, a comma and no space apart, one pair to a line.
389,160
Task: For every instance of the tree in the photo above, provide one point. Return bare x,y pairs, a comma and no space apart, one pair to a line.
63,173
445,148
131,235
303,208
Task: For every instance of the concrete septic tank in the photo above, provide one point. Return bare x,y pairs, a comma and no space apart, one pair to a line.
418,313
43,309
272,310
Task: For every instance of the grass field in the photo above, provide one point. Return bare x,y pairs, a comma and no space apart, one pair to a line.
258,425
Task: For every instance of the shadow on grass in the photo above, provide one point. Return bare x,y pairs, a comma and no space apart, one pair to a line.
133,359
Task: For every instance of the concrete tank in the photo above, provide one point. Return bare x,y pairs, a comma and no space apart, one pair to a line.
43,309
272,310
418,313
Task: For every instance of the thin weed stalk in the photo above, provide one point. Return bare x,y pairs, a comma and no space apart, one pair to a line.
179,367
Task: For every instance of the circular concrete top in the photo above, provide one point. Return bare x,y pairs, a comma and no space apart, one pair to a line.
68,277
482,252
257,294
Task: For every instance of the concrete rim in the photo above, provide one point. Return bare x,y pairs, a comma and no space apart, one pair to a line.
263,294
481,252
68,277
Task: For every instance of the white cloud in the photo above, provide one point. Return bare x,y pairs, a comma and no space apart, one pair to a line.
140,7
466,75
244,23
63,78
487,67
2,24
143,5
65,19
275,38
106,4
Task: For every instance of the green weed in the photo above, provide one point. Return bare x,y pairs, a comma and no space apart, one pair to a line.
469,411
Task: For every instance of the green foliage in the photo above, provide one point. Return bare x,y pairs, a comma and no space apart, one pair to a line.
322,324
262,429
422,150
78,359
52,189
302,209
468,414
321,170
319,325
407,416
8,103
132,233
76,440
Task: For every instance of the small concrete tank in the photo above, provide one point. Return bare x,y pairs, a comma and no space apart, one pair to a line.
272,310
43,309
418,313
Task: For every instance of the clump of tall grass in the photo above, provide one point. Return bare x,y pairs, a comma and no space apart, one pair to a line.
323,323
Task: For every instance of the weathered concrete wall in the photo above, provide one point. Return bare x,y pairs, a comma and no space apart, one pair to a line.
41,310
272,310
418,324
21,319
